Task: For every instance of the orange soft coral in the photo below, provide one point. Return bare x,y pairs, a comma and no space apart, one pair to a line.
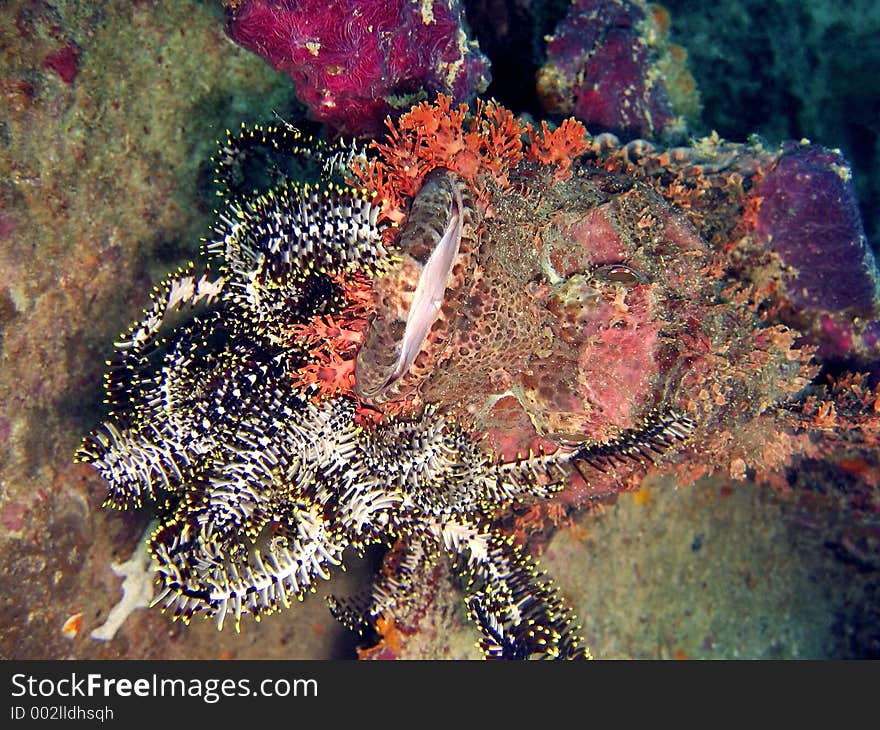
333,342
438,135
558,147
480,147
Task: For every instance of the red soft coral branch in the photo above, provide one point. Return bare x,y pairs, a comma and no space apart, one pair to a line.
333,341
480,147
559,147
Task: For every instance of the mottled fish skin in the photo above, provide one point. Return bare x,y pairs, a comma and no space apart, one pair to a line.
429,244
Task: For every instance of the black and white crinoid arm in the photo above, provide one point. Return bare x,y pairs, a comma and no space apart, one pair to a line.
260,481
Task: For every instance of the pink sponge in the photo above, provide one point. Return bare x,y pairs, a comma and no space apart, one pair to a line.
356,61
610,65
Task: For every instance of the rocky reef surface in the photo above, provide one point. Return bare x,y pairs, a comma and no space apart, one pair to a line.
112,113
